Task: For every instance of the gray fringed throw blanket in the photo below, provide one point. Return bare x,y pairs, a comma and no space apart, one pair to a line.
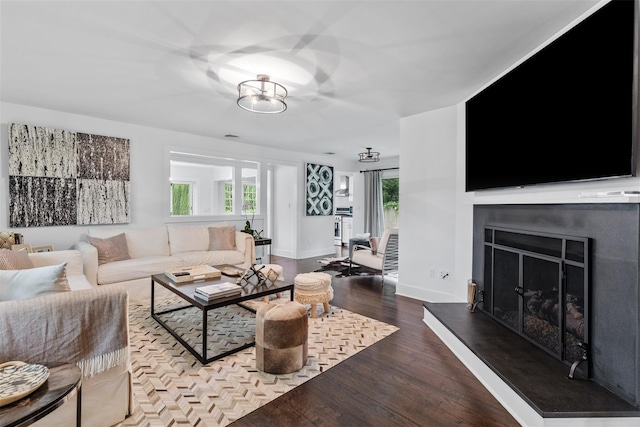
88,328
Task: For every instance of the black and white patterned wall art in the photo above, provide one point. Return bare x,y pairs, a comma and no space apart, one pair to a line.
60,177
319,190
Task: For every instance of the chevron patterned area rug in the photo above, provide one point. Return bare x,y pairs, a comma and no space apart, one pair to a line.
170,387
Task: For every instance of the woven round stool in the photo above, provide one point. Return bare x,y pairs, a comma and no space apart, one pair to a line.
313,288
281,337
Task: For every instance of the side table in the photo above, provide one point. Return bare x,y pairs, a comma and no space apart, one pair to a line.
263,241
63,383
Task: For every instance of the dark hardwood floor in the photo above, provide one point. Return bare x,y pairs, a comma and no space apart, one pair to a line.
407,379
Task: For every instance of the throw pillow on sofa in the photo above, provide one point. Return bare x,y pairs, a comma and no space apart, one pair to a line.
14,260
187,238
111,249
222,238
33,282
373,242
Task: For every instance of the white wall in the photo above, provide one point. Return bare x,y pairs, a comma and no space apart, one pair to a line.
150,172
428,177
313,239
437,214
285,210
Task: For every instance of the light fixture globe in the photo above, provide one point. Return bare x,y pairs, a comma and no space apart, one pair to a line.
262,96
369,156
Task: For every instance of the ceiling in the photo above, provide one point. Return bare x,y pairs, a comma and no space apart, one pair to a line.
352,68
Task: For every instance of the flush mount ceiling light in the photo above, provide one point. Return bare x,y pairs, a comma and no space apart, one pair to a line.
369,156
262,96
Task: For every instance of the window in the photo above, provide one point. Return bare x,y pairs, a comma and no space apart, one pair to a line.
181,198
249,204
390,197
228,198
249,191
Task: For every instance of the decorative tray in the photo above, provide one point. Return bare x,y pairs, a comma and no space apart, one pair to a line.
19,379
191,274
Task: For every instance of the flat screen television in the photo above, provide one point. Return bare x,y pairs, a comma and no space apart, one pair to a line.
567,113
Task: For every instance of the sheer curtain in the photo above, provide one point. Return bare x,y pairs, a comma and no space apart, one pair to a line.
373,213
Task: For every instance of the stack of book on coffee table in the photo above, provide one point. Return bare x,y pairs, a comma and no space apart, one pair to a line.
218,290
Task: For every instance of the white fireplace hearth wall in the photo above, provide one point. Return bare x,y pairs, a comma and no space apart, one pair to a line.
609,235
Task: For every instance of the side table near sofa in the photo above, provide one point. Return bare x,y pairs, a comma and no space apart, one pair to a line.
263,241
64,382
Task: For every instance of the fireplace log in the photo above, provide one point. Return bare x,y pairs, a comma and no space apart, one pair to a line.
574,320
545,306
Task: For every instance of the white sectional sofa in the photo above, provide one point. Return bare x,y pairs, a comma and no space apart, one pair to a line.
156,249
85,326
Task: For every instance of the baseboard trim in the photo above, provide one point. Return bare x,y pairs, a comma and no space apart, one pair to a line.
423,294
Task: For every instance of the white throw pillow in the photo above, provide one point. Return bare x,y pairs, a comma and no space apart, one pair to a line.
189,238
33,282
144,242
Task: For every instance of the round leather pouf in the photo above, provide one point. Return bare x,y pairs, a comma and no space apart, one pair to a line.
281,337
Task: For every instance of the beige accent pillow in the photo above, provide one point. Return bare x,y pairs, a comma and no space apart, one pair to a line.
373,242
222,238
33,282
14,260
111,249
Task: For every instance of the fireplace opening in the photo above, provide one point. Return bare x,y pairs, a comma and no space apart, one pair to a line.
537,285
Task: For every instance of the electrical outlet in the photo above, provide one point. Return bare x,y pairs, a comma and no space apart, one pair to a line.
432,273
444,275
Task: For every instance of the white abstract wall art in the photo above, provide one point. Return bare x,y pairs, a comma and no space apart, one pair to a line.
60,177
319,190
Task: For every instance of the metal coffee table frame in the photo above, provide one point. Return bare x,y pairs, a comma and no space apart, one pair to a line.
186,292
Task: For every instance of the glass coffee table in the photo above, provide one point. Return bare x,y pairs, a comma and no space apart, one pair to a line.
186,291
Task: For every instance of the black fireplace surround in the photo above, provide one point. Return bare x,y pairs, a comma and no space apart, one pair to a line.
588,256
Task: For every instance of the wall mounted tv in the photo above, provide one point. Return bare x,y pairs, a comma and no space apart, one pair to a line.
567,113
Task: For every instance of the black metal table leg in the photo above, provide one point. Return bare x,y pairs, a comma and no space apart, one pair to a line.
204,334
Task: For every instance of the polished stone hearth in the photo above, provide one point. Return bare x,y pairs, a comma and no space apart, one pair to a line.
535,378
